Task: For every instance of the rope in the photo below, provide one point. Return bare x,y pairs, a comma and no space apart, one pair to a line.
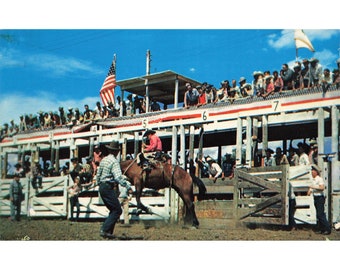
128,167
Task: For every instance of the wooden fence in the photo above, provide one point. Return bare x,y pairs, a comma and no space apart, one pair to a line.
53,201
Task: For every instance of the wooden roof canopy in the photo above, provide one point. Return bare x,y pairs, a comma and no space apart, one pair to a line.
162,86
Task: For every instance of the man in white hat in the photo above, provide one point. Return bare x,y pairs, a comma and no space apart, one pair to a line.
215,171
317,189
109,174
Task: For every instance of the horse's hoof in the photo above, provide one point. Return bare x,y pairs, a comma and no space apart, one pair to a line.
193,227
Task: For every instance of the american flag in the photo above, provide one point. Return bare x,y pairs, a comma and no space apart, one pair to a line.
107,92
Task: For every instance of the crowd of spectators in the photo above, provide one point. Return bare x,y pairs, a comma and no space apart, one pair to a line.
305,74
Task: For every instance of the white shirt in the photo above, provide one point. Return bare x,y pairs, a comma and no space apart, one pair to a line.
215,170
304,160
316,182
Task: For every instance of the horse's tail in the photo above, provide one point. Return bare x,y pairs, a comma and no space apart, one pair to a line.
201,187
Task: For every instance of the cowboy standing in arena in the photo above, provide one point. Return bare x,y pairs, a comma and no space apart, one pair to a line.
109,174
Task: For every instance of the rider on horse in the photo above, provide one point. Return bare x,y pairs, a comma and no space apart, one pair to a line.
152,150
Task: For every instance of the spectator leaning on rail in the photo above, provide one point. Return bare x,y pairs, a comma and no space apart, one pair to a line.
215,170
109,174
190,96
287,76
314,73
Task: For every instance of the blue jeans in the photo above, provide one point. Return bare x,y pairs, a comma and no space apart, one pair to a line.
319,203
74,201
109,197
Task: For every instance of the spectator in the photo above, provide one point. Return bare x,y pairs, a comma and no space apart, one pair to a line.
280,158
16,197
109,173
77,167
98,110
73,192
287,77
215,170
303,157
326,79
19,170
246,89
202,98
86,173
268,159
62,115
313,154
210,95
190,96
223,92
315,72
317,189
235,91
228,166
305,73
129,105
297,77
37,175
336,77
155,106
269,86
22,124
258,83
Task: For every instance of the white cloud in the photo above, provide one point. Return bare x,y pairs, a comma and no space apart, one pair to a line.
14,105
192,70
49,63
286,37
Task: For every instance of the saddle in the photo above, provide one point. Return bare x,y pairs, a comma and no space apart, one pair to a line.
153,161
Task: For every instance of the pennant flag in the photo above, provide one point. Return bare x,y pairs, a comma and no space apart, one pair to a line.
302,41
107,92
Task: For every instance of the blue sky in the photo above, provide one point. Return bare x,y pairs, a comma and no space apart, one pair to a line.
45,69
58,54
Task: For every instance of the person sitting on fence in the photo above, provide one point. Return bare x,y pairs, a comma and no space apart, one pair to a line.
215,170
36,175
77,167
152,148
16,197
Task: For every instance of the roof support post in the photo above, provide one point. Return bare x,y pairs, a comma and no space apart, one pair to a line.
249,142
173,194
176,93
239,142
264,137
335,149
321,136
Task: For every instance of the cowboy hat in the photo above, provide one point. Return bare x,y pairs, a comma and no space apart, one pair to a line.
316,168
149,131
114,145
209,159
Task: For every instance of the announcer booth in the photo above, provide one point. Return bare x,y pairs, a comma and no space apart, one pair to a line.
166,87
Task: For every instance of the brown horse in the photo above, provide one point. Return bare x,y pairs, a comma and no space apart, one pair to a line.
164,175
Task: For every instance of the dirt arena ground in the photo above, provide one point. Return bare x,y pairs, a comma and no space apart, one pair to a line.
59,229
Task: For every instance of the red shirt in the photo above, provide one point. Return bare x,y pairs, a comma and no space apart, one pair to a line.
155,144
